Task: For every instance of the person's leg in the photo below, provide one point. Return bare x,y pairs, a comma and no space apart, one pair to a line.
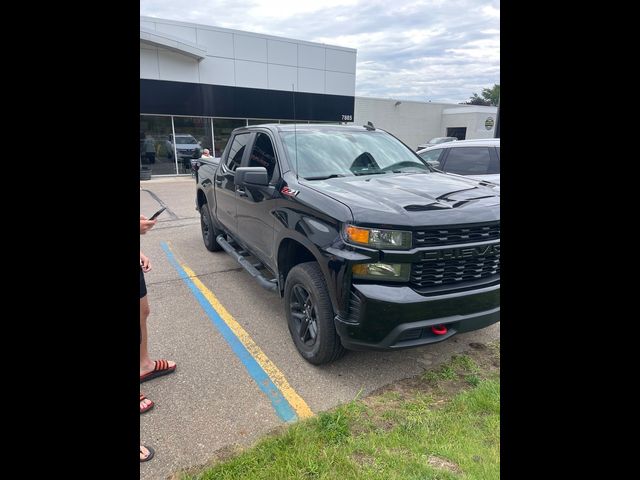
147,365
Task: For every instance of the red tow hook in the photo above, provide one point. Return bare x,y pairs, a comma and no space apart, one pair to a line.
439,329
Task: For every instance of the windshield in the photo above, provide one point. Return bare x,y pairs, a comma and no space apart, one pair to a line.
185,140
332,153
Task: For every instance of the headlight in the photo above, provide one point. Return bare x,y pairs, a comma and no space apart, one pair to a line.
378,238
395,272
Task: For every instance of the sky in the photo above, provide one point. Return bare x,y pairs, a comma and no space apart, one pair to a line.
431,50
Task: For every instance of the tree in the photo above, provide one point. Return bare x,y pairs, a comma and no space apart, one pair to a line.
490,97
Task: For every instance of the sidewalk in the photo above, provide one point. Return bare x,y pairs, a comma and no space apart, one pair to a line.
167,179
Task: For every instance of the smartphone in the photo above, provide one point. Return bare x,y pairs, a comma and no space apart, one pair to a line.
155,215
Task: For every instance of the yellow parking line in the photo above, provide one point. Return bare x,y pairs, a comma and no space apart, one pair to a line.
296,401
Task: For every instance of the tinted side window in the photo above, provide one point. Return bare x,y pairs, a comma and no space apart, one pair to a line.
236,151
470,161
263,155
495,164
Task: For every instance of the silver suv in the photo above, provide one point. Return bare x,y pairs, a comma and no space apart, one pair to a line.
479,158
186,145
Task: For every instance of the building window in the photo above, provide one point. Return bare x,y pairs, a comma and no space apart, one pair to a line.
222,128
459,132
193,134
154,153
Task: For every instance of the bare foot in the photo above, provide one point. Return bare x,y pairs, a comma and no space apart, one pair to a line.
145,403
149,366
146,453
160,368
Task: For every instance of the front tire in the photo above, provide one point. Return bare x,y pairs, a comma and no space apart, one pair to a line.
310,315
209,232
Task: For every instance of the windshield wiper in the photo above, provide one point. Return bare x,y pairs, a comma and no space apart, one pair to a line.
325,177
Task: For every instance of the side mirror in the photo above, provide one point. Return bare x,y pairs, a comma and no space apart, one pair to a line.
252,177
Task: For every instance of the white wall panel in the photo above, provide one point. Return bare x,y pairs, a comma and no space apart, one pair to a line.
281,77
218,44
149,64
311,57
282,53
251,74
217,71
244,59
247,47
177,67
311,80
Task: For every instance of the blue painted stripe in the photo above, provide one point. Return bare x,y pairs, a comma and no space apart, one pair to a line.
280,404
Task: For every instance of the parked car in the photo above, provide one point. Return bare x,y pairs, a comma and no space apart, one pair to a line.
186,145
436,141
478,158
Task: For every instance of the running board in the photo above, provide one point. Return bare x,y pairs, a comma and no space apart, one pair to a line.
268,284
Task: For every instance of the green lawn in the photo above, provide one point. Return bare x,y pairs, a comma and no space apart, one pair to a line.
442,425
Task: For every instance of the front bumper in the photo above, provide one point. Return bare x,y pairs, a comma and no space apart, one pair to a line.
383,317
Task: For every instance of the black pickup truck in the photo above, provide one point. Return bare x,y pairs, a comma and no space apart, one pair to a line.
370,247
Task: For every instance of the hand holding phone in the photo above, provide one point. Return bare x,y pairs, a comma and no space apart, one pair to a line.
155,215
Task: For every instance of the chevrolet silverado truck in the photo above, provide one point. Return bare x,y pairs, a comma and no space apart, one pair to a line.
370,247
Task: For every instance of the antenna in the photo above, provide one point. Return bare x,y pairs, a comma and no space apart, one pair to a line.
295,131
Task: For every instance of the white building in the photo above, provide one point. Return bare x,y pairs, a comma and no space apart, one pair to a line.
198,83
417,122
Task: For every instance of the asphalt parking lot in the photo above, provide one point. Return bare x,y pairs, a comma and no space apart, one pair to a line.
212,401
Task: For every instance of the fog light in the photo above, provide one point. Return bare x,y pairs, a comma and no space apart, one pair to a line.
398,272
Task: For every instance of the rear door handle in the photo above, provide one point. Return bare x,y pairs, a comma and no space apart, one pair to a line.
218,181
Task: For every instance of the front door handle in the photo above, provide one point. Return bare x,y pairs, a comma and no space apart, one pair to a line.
241,192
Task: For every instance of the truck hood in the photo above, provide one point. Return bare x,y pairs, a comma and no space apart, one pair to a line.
493,178
413,199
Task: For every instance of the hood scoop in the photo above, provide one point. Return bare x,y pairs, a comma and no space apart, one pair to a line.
430,206
444,202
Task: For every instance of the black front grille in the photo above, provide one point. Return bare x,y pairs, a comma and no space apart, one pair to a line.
453,235
434,273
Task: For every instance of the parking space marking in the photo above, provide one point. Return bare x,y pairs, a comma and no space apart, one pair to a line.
288,404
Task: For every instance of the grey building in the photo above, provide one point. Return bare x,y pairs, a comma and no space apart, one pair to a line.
198,83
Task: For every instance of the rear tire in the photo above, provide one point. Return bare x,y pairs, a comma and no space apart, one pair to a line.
310,315
209,232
